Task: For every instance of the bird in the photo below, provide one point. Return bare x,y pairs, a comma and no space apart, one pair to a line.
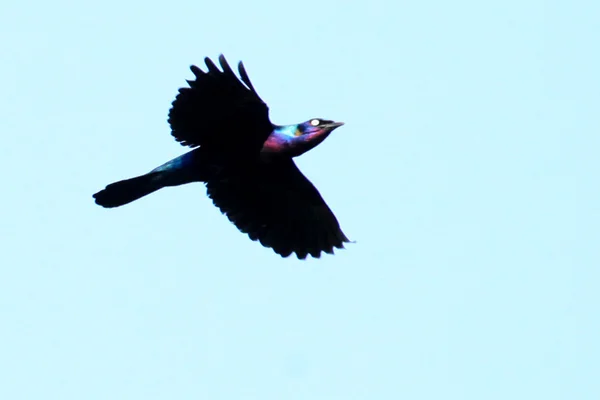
245,162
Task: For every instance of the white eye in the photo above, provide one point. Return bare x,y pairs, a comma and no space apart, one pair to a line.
315,122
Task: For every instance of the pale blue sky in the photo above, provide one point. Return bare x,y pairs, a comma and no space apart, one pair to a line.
467,172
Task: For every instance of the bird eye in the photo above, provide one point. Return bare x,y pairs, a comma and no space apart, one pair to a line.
315,122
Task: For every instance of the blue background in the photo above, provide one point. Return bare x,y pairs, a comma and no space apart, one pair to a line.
467,173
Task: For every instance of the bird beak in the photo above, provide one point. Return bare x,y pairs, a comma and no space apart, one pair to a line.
331,126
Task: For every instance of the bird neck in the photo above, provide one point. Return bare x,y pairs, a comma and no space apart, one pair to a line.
287,131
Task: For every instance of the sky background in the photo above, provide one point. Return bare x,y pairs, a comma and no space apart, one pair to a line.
467,173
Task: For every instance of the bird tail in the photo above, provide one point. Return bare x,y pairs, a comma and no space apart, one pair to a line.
125,191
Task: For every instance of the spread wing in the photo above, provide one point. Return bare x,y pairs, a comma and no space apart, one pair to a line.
278,206
219,111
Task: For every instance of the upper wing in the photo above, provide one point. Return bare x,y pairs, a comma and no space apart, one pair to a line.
219,111
277,205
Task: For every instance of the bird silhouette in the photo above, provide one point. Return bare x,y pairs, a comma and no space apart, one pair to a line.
246,163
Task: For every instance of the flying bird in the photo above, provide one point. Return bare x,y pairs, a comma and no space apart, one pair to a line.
246,163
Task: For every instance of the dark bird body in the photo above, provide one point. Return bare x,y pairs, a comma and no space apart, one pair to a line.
246,163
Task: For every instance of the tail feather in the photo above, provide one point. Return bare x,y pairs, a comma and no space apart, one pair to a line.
125,191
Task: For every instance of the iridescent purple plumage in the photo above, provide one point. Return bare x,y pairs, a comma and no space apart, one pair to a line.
294,140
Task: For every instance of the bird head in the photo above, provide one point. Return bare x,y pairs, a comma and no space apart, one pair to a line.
294,140
318,126
314,131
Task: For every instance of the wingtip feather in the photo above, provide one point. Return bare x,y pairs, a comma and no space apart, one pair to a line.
210,65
